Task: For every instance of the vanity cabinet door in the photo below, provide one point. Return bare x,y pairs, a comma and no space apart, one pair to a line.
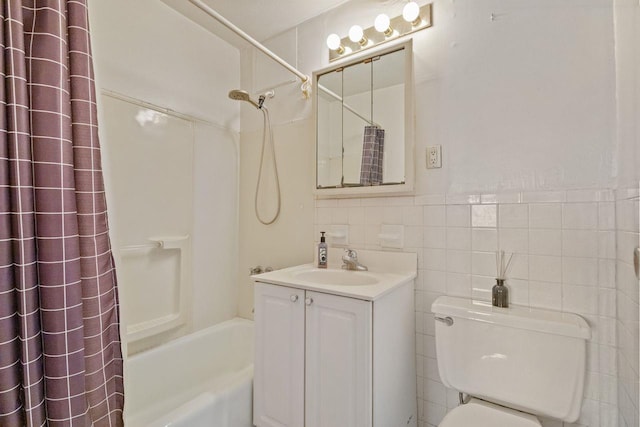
279,356
339,361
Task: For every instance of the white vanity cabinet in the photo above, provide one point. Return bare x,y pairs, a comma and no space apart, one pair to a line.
327,360
334,379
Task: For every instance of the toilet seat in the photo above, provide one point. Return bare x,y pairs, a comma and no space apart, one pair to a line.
478,413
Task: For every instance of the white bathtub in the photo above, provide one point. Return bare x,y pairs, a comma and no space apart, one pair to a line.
200,380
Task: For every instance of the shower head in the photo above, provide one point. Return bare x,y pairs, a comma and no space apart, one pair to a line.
241,95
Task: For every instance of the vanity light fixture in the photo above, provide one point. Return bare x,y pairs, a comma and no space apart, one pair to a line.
383,25
411,13
335,44
413,18
356,35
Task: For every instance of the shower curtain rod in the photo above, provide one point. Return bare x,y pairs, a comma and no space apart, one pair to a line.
346,106
306,81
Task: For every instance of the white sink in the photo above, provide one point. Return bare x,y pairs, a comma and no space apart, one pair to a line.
336,277
387,271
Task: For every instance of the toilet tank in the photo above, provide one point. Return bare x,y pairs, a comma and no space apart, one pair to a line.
532,360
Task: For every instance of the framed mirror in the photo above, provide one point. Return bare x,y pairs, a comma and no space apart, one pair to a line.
364,125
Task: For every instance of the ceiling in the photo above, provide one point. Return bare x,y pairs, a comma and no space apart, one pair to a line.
261,19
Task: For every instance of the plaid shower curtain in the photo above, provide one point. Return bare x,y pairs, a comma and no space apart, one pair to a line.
60,352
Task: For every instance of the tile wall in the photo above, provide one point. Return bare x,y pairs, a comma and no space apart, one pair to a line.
628,238
565,259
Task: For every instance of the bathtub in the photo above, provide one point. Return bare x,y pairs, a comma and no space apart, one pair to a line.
200,380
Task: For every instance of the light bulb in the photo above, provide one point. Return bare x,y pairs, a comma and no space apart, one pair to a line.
382,24
356,35
333,43
411,13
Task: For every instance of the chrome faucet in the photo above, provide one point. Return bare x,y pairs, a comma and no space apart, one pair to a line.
350,260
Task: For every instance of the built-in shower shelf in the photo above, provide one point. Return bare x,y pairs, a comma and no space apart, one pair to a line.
158,325
154,327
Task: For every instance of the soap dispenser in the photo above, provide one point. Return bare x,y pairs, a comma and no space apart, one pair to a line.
322,252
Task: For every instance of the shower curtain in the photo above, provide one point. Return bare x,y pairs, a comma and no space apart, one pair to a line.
60,353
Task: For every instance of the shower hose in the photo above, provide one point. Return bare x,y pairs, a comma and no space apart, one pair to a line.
267,132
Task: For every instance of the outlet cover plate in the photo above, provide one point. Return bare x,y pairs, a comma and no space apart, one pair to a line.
434,156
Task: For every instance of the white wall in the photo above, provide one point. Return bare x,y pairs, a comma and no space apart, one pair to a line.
524,107
147,51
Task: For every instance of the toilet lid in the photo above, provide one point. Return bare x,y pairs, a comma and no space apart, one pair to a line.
478,413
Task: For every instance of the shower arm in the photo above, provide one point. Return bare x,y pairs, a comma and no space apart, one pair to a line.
306,81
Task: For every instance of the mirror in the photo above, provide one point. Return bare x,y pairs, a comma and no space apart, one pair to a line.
364,125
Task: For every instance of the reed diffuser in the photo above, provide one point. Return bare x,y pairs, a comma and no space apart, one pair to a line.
500,292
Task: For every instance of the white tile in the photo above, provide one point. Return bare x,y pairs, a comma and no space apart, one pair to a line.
458,216
580,216
484,239
519,268
434,413
607,302
462,199
545,215
435,281
607,244
373,215
483,264
579,299
545,268
607,360
357,235
513,216
580,271
459,285
430,348
606,216
435,237
412,215
580,243
435,216
545,242
373,201
486,199
481,287
435,392
514,240
544,197
607,273
484,216
545,295
430,199
607,331
392,215
356,216
508,198
350,202
326,203
323,216
413,237
398,201
587,195
459,238
340,216
608,389
435,259
458,261
518,291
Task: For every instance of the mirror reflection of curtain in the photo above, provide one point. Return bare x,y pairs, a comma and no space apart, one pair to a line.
371,170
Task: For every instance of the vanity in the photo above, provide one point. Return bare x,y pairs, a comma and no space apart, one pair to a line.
336,347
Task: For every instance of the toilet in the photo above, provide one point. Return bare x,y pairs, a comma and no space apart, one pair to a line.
513,364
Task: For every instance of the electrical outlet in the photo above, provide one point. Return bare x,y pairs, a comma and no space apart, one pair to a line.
434,156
